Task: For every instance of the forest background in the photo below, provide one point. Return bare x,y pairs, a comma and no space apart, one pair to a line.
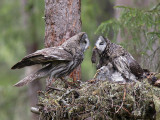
134,24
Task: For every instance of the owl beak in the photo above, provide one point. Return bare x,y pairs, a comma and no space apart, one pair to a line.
94,47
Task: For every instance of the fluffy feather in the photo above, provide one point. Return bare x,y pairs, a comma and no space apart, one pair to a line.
60,61
121,60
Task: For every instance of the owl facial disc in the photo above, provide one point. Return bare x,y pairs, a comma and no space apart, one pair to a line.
101,44
84,42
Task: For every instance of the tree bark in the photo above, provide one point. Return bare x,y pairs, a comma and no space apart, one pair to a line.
33,87
62,21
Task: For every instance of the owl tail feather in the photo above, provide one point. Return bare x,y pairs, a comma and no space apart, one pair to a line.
37,75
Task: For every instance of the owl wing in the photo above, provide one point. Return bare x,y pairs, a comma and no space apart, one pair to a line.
44,56
134,67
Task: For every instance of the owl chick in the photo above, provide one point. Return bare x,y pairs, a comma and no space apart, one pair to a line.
122,61
58,61
109,73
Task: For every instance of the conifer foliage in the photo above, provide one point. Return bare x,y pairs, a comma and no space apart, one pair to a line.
139,28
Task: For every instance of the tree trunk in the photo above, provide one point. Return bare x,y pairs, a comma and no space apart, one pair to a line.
62,19
28,25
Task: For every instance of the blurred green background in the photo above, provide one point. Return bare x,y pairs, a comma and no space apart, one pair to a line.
129,27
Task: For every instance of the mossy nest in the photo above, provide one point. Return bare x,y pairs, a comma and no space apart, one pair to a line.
101,100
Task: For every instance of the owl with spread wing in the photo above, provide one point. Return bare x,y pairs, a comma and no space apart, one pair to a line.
58,61
122,61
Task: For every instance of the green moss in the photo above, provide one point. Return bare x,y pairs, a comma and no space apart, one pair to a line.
101,100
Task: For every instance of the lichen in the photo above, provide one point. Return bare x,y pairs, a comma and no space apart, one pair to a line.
101,100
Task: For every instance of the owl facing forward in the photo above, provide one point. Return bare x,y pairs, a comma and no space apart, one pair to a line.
58,61
122,61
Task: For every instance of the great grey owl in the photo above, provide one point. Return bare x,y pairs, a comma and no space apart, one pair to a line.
122,61
58,61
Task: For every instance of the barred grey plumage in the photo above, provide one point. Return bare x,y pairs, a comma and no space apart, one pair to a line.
59,61
121,60
110,74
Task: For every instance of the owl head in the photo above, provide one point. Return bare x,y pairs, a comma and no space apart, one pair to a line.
78,42
84,42
101,44
99,48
